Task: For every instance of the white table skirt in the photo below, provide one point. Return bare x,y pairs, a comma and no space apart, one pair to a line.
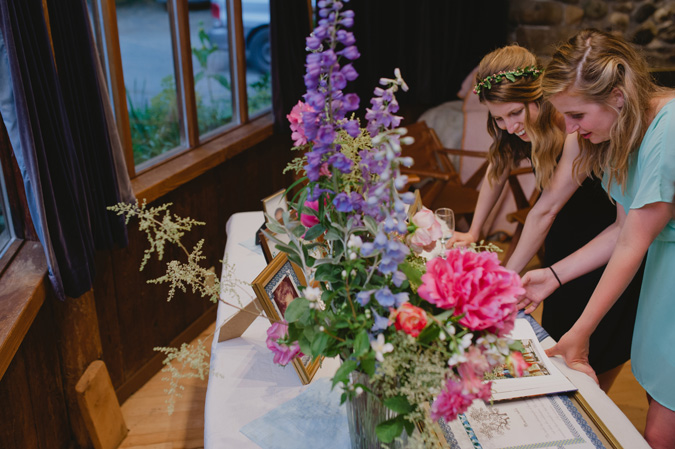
245,384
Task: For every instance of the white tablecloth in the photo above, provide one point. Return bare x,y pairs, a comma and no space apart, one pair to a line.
245,384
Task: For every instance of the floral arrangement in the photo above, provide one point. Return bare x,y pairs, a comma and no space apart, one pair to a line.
424,332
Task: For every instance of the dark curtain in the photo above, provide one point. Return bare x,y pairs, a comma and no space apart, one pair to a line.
62,148
434,43
289,26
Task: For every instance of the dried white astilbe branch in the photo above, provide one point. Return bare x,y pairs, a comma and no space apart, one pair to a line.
188,362
158,229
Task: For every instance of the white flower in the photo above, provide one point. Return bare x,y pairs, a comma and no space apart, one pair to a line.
354,242
380,347
317,305
359,391
312,293
456,359
466,341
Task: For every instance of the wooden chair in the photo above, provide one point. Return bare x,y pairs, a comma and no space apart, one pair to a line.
524,205
441,185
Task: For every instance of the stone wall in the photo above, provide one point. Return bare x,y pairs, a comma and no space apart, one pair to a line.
650,24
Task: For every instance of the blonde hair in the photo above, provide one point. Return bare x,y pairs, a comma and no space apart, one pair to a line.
547,138
591,65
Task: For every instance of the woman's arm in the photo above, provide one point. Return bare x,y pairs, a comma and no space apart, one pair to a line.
638,232
539,284
553,198
487,198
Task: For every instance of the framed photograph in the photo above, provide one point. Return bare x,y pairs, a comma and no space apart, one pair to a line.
276,287
275,205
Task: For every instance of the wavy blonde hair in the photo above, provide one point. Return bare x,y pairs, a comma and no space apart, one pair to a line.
591,65
547,136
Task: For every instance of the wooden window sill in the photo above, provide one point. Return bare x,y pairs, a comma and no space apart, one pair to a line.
158,181
22,293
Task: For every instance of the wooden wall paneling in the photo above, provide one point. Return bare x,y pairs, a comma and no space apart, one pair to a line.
16,414
45,380
79,344
108,321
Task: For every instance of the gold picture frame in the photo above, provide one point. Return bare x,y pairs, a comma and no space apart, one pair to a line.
275,287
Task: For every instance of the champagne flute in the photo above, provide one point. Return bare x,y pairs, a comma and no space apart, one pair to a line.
447,219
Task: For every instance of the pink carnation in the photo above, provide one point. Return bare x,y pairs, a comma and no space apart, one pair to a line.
309,220
297,125
283,353
427,232
476,286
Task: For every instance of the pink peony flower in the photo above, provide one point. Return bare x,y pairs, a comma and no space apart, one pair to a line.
427,232
309,220
297,128
476,286
410,319
517,364
283,353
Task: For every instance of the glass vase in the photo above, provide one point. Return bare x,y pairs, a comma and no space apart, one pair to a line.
364,413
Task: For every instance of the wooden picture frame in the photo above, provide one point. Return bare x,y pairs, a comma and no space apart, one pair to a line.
275,287
275,205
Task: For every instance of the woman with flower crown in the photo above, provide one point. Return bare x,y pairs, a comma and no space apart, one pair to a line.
571,210
601,85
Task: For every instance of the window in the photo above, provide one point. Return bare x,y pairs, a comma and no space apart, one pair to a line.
6,232
182,72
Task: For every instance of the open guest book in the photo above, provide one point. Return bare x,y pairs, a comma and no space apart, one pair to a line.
542,377
540,409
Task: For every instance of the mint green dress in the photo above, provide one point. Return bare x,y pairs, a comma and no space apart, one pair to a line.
651,178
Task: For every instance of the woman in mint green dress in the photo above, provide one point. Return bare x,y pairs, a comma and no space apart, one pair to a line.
626,126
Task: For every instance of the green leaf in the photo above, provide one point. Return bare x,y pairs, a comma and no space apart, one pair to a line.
409,427
332,234
314,232
444,315
275,227
342,374
388,430
399,404
296,309
371,224
368,365
413,274
361,343
510,77
429,333
319,344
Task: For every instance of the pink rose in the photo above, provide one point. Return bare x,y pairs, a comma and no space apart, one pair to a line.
517,364
476,286
309,220
283,353
427,231
410,319
297,125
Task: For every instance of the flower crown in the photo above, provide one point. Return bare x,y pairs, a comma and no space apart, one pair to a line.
495,78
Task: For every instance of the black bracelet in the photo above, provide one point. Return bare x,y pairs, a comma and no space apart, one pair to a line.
556,275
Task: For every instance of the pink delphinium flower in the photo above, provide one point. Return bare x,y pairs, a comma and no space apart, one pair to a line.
451,401
427,232
283,353
309,220
297,125
476,286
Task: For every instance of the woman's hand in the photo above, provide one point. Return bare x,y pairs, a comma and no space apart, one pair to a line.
574,348
460,239
538,285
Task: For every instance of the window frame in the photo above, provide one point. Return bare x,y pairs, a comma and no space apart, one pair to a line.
152,179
